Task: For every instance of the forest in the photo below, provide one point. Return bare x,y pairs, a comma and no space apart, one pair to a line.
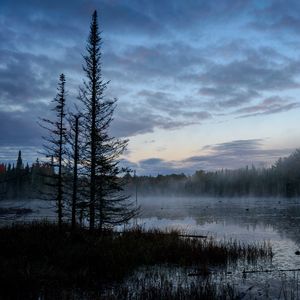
282,179
25,182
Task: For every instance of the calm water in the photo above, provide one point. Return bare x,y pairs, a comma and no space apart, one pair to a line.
247,220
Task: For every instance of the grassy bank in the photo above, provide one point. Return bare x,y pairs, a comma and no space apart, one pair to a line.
37,257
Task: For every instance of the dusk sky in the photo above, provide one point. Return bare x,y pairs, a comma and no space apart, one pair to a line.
200,84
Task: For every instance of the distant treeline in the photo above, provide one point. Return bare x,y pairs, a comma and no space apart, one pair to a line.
21,182
282,179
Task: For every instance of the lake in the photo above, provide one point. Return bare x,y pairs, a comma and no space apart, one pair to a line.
248,220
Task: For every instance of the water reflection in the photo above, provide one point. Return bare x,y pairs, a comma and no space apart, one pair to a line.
254,217
247,220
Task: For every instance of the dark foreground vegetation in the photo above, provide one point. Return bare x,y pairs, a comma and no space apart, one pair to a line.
38,259
156,286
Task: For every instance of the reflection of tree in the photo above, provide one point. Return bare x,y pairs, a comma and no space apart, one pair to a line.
282,216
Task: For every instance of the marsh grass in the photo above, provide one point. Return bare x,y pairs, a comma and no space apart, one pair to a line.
163,288
37,256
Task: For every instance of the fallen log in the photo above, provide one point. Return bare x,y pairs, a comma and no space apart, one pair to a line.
270,271
166,233
247,272
193,236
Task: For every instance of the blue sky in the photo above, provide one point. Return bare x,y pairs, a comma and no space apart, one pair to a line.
200,84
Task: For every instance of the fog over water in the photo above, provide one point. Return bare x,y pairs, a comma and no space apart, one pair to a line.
244,218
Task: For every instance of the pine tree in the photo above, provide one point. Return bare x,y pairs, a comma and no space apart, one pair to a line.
74,146
54,146
19,161
18,181
107,205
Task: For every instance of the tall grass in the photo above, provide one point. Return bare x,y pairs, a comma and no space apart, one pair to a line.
37,256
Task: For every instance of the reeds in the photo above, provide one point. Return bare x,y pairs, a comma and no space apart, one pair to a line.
37,256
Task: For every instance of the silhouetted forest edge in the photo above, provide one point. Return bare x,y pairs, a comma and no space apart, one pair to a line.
41,258
280,180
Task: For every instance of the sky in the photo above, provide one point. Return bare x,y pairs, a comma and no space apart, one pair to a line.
200,84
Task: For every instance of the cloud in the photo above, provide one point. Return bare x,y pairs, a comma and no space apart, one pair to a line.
19,129
21,78
268,106
165,60
155,166
247,73
241,83
172,63
236,154
138,120
27,86
276,17
39,48
226,96
228,155
156,109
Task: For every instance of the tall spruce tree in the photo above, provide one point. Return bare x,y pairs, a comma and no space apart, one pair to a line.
54,146
107,205
73,152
